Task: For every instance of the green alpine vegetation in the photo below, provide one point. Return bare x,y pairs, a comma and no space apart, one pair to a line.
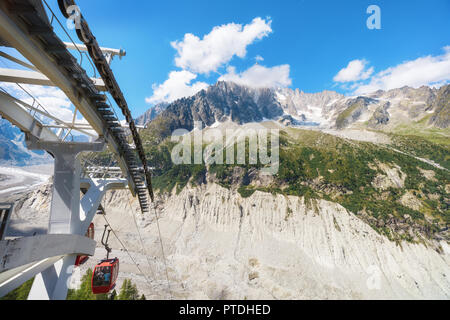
391,187
423,131
357,175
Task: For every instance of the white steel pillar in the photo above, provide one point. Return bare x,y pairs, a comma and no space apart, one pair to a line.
52,283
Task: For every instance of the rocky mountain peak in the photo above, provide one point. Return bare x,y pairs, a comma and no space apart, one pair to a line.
222,102
151,114
228,101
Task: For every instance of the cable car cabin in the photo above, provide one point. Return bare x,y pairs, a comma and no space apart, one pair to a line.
90,234
105,275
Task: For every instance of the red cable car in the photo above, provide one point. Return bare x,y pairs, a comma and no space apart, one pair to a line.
105,273
90,234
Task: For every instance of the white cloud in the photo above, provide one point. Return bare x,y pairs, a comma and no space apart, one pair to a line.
260,77
428,70
177,86
355,71
219,46
201,56
258,58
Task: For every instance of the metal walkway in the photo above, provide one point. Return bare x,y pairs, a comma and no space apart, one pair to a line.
25,26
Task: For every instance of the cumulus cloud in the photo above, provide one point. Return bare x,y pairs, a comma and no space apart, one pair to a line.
177,86
260,77
355,71
201,56
429,70
219,46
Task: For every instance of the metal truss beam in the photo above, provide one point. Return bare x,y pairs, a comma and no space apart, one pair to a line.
23,251
108,52
11,279
38,56
18,61
15,114
82,128
36,78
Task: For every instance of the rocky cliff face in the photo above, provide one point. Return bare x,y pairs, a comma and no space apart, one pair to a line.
221,102
354,108
281,247
315,107
404,107
219,245
441,107
384,110
241,104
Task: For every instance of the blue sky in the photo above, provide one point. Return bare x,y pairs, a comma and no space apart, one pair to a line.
303,44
